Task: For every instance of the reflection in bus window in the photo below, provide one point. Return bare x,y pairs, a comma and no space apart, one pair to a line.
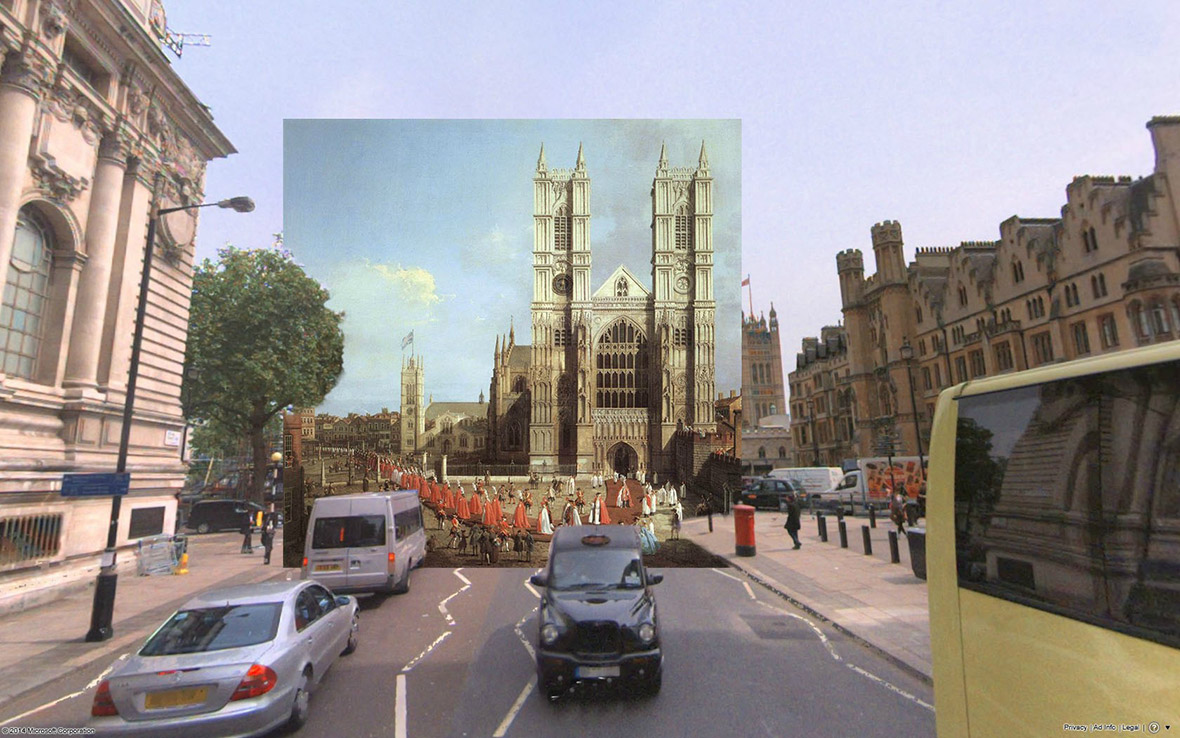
1067,498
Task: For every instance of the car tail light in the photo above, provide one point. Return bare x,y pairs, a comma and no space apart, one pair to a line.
259,679
304,562
103,705
391,569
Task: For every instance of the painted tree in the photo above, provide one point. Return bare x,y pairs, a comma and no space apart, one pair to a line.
261,338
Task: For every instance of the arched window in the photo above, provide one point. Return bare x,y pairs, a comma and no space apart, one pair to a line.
514,437
683,228
26,294
518,385
761,452
621,287
782,452
561,229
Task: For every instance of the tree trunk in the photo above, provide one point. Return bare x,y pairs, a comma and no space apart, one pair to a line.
261,462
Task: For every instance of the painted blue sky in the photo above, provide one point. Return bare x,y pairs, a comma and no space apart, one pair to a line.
949,117
427,226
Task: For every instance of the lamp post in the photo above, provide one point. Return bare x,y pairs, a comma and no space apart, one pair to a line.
103,609
907,355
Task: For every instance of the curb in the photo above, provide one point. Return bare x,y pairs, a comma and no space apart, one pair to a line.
775,587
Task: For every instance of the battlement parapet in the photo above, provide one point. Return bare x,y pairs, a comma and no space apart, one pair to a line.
886,232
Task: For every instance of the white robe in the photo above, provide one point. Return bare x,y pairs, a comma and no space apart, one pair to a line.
546,523
594,517
569,486
646,507
575,518
619,497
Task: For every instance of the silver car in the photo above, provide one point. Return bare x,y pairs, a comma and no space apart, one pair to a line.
238,661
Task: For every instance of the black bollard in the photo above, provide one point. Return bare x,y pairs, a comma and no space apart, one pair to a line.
864,532
894,555
823,527
843,535
873,516
840,512
710,520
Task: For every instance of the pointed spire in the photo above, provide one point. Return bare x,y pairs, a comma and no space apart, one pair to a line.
511,327
541,166
772,313
703,162
663,163
581,163
497,349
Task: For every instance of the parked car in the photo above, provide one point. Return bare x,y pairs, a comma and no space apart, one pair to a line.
597,617
208,516
365,542
232,661
772,493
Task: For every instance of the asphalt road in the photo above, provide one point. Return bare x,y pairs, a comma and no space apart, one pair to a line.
452,658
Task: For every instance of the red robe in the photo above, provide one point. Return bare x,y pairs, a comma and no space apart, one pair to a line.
448,498
476,506
462,510
603,515
520,518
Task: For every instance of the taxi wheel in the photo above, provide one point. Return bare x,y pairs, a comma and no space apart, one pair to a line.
404,585
302,707
203,528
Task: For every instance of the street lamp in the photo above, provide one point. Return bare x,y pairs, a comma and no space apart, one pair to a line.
907,355
103,609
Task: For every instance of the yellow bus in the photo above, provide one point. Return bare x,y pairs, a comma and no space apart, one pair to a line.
1053,549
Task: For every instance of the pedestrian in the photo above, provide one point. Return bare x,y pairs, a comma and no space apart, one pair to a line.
365,483
793,523
897,511
247,532
676,524
268,538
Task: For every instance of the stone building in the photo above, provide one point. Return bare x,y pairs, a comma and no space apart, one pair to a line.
413,410
96,132
762,368
612,373
1102,277
509,408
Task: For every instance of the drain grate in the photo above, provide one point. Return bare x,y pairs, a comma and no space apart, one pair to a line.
775,628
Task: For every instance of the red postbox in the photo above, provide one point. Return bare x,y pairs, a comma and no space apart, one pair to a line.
743,524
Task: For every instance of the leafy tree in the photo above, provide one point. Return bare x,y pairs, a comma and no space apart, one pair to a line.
261,338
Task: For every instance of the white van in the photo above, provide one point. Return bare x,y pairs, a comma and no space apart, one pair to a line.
813,479
365,542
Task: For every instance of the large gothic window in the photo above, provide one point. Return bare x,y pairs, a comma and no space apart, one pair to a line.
622,364
621,287
26,293
561,229
514,435
683,228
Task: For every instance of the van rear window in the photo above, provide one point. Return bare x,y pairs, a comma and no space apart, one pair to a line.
354,531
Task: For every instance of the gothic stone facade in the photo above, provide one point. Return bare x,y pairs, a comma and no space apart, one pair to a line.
612,373
96,130
762,368
1102,277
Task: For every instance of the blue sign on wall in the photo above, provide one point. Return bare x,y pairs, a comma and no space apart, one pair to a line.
95,485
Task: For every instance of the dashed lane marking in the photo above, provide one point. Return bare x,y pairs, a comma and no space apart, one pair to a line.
831,649
399,707
93,684
507,721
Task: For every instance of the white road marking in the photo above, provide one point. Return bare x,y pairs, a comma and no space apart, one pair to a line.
399,707
832,649
528,646
749,591
442,606
424,654
93,684
507,721
529,587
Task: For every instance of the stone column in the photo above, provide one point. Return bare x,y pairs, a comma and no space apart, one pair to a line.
22,82
101,227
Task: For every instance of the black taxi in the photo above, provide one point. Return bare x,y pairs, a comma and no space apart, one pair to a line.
597,613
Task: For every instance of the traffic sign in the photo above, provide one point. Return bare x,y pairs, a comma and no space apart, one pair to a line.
95,485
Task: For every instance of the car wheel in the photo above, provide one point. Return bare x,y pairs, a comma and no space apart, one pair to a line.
404,585
352,636
203,528
302,707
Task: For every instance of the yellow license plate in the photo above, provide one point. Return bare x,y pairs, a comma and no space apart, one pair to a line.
175,698
327,567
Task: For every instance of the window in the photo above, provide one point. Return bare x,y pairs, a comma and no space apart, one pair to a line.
1043,347
407,522
761,452
922,347
1159,320
353,531
962,296
29,538
1102,285
518,385
978,367
1108,330
1081,339
961,368
561,229
26,294
926,378
683,235
307,609
1017,272
918,311
938,376
622,365
1004,356
782,452
621,287
1036,518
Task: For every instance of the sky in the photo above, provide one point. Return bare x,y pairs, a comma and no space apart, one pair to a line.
426,226
948,117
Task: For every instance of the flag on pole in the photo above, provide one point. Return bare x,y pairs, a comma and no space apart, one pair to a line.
746,281
408,339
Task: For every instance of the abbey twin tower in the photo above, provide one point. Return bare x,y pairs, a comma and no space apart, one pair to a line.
611,373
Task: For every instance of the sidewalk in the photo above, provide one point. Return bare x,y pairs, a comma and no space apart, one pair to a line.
871,599
43,643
